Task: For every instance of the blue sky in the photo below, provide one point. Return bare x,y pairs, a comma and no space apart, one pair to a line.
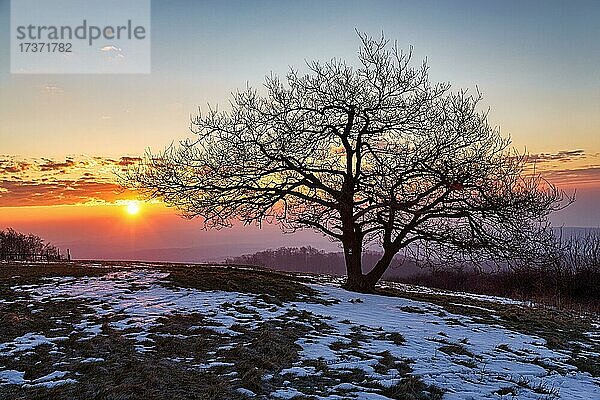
535,61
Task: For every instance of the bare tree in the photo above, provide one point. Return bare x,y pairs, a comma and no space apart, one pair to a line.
19,246
364,154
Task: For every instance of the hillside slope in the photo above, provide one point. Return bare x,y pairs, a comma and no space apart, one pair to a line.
142,330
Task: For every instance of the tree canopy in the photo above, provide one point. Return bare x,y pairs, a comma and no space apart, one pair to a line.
367,154
19,246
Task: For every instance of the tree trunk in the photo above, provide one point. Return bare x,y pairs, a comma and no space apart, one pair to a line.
352,240
379,269
356,281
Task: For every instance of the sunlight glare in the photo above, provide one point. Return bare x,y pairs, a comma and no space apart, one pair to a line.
132,207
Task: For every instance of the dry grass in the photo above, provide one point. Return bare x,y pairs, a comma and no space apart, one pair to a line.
180,344
405,387
123,374
412,388
455,349
272,287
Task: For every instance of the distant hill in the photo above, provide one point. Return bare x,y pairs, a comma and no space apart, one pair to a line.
287,258
571,231
207,253
309,259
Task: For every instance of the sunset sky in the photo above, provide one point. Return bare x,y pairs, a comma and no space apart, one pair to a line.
63,138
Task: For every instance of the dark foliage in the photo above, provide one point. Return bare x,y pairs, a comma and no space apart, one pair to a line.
309,259
26,247
571,278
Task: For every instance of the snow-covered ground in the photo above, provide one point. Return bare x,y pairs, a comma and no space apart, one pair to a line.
467,360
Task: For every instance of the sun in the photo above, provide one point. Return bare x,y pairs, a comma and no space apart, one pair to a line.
132,207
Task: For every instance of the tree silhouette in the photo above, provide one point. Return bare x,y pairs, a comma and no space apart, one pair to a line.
367,154
19,246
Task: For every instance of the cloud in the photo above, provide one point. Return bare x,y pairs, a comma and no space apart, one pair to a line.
13,167
126,161
111,48
81,179
561,156
31,193
104,160
50,165
567,168
589,175
73,180
113,52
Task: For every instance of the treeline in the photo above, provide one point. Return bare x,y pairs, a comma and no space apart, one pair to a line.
16,246
294,259
570,278
309,259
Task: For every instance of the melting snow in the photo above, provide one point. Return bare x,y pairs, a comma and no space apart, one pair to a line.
11,377
501,357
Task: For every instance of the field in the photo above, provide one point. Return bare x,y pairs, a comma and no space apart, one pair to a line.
102,330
